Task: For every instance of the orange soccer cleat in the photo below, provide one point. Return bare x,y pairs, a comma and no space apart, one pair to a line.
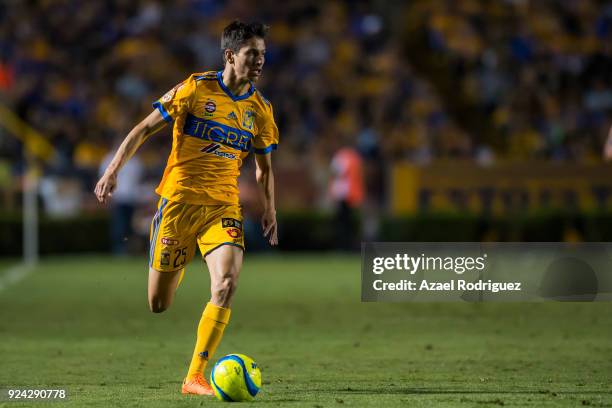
196,385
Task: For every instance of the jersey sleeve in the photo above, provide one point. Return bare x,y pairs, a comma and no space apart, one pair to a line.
267,138
177,100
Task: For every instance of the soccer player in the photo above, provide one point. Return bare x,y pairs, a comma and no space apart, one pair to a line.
218,118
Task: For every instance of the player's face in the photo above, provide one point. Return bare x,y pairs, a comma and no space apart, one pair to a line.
248,62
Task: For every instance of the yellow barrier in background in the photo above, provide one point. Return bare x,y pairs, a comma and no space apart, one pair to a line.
501,188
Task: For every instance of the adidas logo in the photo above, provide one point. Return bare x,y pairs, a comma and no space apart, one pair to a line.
210,148
232,115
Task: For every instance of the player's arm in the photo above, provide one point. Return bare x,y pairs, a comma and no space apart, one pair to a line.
107,183
608,146
265,183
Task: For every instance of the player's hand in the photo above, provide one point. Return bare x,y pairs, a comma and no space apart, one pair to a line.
608,150
105,187
269,226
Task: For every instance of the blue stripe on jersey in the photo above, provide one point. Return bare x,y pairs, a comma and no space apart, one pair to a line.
208,78
265,150
229,93
217,132
156,222
163,111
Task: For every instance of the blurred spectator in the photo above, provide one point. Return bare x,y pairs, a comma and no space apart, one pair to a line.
61,196
126,197
347,192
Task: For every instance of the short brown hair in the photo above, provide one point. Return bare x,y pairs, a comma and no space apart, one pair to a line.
237,33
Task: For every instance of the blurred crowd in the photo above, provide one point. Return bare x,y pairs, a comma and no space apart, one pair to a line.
539,71
337,72
84,72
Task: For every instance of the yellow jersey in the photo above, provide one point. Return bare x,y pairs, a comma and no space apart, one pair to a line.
213,132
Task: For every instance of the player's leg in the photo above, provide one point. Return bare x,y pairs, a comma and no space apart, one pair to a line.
161,289
224,264
172,247
222,245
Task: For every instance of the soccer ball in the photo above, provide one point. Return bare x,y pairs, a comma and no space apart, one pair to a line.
235,377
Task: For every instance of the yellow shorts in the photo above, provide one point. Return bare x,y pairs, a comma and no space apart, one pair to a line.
178,227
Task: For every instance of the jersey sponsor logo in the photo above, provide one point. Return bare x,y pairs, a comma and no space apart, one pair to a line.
165,259
234,232
225,155
210,106
169,241
214,149
217,132
248,119
231,223
232,116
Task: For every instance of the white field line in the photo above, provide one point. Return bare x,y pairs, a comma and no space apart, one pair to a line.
15,274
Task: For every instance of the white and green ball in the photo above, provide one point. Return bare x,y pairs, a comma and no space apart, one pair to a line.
235,377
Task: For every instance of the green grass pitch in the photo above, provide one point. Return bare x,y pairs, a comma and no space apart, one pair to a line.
81,323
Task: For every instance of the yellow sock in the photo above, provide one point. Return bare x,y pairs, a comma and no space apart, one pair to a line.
210,330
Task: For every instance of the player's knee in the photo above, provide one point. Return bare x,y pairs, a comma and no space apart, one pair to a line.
226,286
157,308
224,289
157,305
